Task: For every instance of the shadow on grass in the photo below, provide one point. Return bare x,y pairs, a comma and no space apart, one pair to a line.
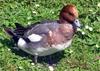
44,59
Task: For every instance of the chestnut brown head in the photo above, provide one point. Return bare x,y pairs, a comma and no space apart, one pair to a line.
69,14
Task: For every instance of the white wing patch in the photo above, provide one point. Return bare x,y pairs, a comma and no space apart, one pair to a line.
34,38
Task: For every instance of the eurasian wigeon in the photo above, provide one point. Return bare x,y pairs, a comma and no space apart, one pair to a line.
47,37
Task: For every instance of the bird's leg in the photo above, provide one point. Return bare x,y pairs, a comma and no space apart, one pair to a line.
35,58
51,68
50,60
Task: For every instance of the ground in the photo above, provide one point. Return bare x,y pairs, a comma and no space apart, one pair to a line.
83,54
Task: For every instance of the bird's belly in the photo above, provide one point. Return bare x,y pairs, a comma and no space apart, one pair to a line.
43,51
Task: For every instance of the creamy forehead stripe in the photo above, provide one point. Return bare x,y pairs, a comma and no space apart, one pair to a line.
34,37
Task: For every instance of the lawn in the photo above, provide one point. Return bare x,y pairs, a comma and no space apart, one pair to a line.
83,54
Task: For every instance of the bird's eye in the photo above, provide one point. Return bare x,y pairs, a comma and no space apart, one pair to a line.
76,21
70,14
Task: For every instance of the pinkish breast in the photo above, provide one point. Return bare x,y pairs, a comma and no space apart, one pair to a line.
67,30
61,35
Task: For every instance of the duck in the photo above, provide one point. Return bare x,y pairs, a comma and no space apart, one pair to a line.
47,37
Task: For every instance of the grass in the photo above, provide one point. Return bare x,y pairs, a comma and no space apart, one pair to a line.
83,54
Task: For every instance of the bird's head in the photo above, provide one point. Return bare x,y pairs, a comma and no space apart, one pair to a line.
69,13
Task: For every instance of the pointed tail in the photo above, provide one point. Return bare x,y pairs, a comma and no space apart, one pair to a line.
12,34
